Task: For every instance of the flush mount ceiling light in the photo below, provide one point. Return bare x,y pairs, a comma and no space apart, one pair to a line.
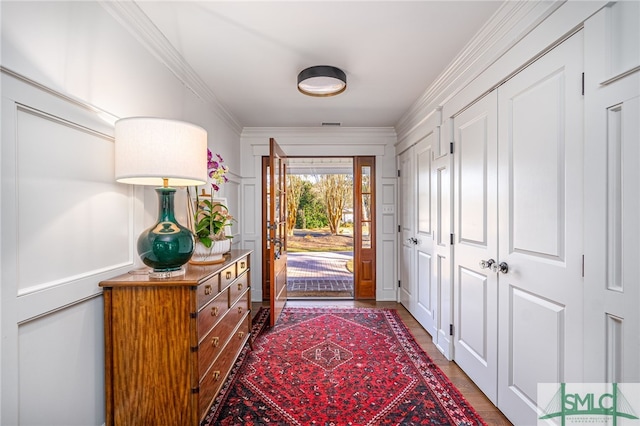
322,80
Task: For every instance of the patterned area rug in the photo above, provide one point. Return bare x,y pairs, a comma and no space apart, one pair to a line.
339,366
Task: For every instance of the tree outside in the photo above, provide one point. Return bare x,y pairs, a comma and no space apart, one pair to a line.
319,209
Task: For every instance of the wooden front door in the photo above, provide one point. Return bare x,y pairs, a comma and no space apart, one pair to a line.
277,230
364,228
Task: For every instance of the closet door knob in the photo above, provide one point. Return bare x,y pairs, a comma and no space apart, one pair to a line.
487,264
502,267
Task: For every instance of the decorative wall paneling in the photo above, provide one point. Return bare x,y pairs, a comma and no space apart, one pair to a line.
612,177
66,224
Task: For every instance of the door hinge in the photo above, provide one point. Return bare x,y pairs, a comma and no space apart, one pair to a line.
398,283
398,228
451,239
398,173
583,266
450,329
451,148
582,84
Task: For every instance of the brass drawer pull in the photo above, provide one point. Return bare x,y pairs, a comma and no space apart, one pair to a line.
241,335
208,289
216,376
242,265
239,286
214,311
228,275
215,342
240,310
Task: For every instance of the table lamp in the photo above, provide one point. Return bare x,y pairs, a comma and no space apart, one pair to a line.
162,152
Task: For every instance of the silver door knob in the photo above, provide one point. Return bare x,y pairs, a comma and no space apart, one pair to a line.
487,264
502,267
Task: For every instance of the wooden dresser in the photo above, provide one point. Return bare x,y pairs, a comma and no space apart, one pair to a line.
170,343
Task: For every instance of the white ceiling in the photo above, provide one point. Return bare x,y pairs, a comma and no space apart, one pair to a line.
249,53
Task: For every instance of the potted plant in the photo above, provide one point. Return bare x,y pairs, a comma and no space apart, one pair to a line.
211,218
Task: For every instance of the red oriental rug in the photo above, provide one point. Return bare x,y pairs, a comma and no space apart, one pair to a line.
338,366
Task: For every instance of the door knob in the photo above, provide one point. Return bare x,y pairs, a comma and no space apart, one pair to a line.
414,240
277,246
487,264
502,267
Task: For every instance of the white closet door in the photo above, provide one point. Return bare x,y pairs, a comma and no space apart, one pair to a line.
407,229
475,217
540,218
427,292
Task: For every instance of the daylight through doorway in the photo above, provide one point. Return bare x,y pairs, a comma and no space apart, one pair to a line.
320,223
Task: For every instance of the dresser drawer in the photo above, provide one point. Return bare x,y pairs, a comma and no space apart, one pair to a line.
212,313
214,378
238,287
227,275
242,265
208,290
211,346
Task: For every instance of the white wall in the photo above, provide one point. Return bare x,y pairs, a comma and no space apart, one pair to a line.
332,142
69,69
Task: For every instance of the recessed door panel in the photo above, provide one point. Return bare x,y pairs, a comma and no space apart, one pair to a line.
424,189
534,319
537,146
472,147
472,326
426,292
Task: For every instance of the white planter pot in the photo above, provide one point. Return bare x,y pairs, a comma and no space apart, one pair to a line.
203,255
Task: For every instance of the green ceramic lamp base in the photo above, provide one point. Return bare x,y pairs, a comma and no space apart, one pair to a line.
167,245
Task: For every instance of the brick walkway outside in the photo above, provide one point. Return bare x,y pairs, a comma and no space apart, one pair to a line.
319,272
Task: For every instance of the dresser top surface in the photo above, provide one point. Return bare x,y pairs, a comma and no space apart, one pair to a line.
194,275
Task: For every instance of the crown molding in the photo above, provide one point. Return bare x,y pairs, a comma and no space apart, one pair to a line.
374,135
511,22
129,15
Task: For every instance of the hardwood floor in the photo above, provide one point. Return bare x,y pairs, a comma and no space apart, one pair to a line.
491,415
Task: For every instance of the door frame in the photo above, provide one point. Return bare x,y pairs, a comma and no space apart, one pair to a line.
370,292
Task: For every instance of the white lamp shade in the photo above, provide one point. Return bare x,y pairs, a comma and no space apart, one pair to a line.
148,150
